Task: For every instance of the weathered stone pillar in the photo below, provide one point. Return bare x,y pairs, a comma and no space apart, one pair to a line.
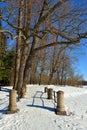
60,110
12,102
45,89
50,93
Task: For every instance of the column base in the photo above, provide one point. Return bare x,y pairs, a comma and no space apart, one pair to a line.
12,112
61,113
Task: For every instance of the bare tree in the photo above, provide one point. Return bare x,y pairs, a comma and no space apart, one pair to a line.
60,18
18,44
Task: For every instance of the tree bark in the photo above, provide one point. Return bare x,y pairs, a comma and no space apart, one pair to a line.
22,67
50,78
25,75
18,46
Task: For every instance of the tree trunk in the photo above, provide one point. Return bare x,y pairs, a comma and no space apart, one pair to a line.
28,66
50,78
12,77
25,50
42,67
22,67
18,46
40,77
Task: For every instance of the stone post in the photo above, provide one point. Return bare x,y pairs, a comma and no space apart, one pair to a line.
50,93
60,110
45,89
12,102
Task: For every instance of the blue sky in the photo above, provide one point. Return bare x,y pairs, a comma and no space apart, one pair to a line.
82,52
82,62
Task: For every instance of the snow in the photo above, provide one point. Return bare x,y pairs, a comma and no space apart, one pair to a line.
38,113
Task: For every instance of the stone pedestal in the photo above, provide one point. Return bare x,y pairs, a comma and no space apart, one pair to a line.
12,102
50,93
60,110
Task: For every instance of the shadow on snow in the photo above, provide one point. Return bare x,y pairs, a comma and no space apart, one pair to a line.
42,107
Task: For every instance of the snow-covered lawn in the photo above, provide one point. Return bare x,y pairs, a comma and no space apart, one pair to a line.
38,113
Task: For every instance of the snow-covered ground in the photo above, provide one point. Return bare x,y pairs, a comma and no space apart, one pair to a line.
38,113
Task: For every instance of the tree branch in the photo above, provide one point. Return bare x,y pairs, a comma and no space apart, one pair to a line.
11,34
73,41
16,27
42,10
58,4
51,44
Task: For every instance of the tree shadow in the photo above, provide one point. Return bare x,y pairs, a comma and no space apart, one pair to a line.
39,95
43,107
3,100
5,89
4,110
35,96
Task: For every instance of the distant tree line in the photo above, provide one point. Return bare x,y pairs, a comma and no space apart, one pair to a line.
84,82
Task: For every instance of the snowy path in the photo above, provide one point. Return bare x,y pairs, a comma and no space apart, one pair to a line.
37,112
39,100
